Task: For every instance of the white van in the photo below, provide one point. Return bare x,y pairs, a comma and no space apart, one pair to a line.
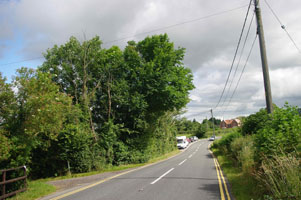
182,142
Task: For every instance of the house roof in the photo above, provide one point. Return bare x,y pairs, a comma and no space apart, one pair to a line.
228,121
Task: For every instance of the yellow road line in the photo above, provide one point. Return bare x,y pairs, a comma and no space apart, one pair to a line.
226,188
220,174
107,179
219,181
89,186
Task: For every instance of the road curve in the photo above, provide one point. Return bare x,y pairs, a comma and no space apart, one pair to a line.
193,174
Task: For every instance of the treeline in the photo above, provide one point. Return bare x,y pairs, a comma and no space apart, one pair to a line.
193,127
88,107
268,150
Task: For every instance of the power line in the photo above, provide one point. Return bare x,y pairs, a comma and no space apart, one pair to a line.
238,63
243,27
282,26
178,24
20,61
241,74
151,31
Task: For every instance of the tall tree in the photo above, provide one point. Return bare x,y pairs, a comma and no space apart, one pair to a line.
78,69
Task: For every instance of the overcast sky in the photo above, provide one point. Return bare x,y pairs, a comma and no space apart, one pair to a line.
210,36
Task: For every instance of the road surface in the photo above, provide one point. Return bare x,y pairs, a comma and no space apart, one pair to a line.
193,174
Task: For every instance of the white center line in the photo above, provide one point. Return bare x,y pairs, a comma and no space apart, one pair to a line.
190,156
162,176
182,162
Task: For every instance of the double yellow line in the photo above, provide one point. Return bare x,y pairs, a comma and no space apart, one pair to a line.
221,180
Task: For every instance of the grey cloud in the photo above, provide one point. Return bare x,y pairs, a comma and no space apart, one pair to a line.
210,43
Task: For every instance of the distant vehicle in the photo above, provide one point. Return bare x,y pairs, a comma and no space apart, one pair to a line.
212,138
195,138
182,142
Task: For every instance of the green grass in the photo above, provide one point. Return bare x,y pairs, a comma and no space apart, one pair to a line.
243,187
36,189
39,188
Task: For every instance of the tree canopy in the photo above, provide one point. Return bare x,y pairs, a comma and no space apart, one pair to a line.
88,106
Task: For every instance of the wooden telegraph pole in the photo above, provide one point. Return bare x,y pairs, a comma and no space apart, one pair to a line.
213,123
264,61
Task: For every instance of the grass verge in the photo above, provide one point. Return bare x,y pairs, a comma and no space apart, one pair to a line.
36,189
39,188
243,186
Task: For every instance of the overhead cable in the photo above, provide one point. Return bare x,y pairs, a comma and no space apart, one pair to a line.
282,26
238,63
178,24
237,84
143,33
243,27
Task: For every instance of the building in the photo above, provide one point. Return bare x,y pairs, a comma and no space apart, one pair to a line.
230,123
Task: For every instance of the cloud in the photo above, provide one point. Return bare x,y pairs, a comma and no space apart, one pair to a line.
210,42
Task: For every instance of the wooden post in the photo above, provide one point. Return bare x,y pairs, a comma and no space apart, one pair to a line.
3,180
25,174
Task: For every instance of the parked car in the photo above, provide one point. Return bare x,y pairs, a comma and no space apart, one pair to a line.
212,138
182,142
195,138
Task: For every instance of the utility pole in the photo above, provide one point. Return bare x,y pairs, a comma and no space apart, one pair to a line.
213,123
264,61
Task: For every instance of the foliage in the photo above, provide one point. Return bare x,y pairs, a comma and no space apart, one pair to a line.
42,107
254,122
214,120
242,149
188,127
282,133
281,176
244,186
87,107
5,147
270,149
225,142
47,129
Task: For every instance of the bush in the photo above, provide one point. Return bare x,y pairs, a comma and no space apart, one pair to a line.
281,176
254,122
4,147
226,140
283,133
242,150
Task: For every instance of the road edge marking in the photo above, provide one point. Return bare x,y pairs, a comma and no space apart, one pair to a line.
112,177
219,181
109,178
220,172
225,184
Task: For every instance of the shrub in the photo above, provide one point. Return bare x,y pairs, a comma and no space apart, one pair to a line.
254,122
4,147
226,140
242,150
283,133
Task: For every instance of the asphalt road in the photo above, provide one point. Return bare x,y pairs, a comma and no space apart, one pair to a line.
191,175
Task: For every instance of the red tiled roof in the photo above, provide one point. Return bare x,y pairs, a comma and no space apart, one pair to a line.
228,121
